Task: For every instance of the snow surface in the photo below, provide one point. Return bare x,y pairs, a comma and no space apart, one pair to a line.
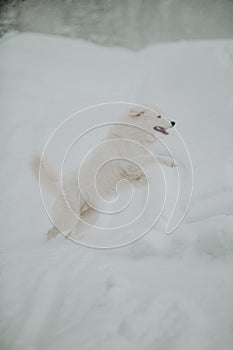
162,292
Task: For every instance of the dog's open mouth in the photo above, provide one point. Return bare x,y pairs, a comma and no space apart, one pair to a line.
160,129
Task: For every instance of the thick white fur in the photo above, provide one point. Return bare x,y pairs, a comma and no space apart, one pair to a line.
80,195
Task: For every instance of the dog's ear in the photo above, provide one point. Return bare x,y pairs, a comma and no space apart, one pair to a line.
136,111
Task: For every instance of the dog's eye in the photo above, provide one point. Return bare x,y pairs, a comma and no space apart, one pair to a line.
159,116
140,113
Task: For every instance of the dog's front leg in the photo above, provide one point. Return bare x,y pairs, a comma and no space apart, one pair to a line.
147,160
144,160
166,161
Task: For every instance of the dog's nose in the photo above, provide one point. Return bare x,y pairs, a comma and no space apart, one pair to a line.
173,123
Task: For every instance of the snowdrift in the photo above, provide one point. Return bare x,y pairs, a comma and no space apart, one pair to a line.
163,292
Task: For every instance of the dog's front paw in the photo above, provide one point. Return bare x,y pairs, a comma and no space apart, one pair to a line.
173,164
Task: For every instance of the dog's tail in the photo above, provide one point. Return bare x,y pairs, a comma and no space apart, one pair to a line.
43,172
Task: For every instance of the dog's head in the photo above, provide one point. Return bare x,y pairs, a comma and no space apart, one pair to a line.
151,120
149,124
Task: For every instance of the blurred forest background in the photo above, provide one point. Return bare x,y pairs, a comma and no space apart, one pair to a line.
129,23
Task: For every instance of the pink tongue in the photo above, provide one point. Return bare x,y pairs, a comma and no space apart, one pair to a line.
162,130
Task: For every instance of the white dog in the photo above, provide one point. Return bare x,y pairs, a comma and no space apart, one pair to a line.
112,161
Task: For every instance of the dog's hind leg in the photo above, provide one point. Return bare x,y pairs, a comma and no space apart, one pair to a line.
87,221
53,232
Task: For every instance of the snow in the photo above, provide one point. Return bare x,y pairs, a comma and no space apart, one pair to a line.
162,292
